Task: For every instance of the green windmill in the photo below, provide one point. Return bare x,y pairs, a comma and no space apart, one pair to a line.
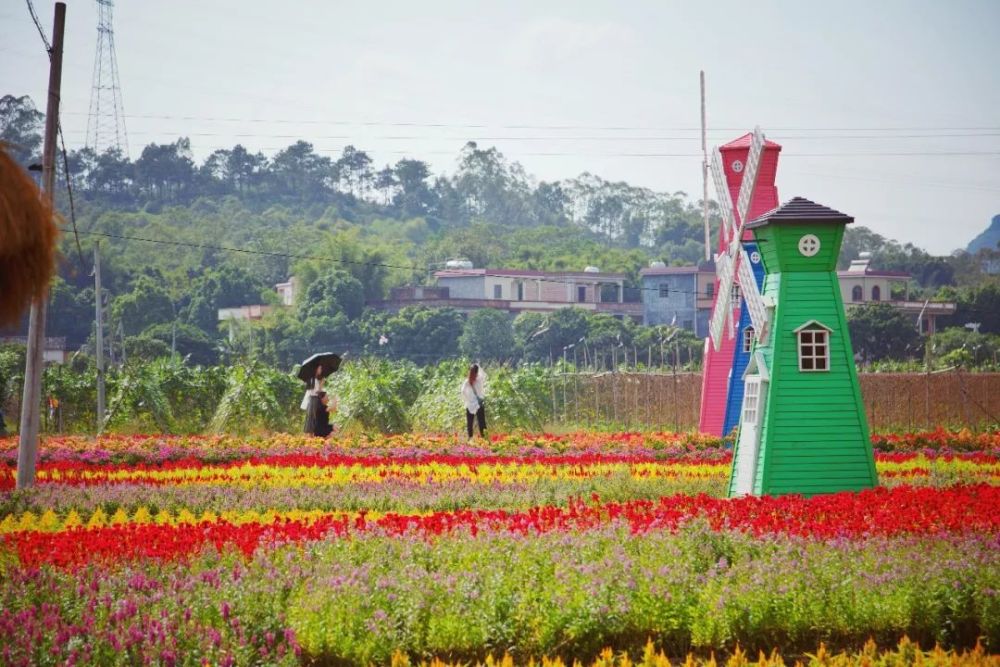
803,427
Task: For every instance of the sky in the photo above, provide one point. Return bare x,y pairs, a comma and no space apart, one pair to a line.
888,111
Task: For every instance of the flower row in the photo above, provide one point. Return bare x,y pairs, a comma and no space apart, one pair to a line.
159,448
338,470
902,510
360,601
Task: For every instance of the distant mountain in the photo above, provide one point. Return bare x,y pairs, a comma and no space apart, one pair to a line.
988,239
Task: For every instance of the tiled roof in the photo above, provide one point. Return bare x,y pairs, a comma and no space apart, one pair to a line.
875,273
673,270
744,142
800,209
525,273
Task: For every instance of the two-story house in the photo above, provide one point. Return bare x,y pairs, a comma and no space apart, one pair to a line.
678,295
861,284
468,289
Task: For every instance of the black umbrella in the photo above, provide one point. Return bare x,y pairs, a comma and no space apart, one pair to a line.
330,361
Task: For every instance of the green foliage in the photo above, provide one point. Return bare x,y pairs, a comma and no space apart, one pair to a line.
572,594
333,293
138,401
375,394
543,337
976,304
190,342
228,286
256,398
881,331
424,334
147,303
516,398
488,334
958,346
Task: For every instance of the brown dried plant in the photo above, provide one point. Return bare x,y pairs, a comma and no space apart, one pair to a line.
28,235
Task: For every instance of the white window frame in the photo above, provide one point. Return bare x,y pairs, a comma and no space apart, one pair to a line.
735,293
748,337
751,402
810,336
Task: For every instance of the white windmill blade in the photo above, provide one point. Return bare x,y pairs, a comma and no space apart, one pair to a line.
749,184
752,297
722,194
724,269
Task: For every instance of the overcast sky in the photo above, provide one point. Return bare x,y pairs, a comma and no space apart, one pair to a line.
868,99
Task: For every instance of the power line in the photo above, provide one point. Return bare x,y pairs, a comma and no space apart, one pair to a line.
427,137
38,24
615,128
324,258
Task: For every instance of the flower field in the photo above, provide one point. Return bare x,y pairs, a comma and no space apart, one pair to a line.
403,549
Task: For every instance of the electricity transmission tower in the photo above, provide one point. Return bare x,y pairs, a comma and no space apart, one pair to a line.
106,120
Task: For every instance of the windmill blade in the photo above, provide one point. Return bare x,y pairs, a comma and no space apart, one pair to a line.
722,194
749,183
724,269
752,297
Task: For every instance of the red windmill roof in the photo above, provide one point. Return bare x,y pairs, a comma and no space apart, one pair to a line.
744,142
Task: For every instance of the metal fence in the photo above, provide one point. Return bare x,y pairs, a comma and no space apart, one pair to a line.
671,401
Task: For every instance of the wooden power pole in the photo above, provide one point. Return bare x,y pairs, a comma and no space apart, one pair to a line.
704,174
27,450
99,322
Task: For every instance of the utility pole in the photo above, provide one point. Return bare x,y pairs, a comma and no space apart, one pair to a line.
99,318
27,450
704,174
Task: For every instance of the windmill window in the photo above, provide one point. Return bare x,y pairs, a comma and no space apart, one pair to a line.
664,290
748,334
876,293
710,289
857,294
814,349
751,401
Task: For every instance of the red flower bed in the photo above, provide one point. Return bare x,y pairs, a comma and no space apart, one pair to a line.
902,510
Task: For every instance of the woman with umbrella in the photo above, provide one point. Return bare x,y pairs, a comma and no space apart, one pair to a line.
316,401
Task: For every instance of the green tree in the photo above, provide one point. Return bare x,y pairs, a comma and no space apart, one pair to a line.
228,286
880,331
146,304
543,337
423,334
189,342
488,335
333,292
20,128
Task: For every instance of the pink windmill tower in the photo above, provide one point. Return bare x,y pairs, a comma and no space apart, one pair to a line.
744,171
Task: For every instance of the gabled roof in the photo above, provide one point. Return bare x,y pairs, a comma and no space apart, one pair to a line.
757,366
744,142
800,209
812,324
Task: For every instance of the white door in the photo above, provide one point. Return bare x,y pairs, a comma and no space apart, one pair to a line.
754,392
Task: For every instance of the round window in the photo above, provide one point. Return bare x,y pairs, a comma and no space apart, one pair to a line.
737,166
755,257
809,245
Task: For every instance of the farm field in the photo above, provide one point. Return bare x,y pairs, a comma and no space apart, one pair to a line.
403,549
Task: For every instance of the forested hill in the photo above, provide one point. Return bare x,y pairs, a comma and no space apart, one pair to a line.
171,228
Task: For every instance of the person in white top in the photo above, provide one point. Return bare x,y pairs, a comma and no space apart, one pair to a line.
473,391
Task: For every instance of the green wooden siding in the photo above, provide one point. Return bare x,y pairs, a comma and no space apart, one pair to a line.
814,435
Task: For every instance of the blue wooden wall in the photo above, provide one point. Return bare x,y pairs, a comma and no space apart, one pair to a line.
734,402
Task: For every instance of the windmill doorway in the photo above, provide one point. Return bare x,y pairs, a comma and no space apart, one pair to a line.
748,442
